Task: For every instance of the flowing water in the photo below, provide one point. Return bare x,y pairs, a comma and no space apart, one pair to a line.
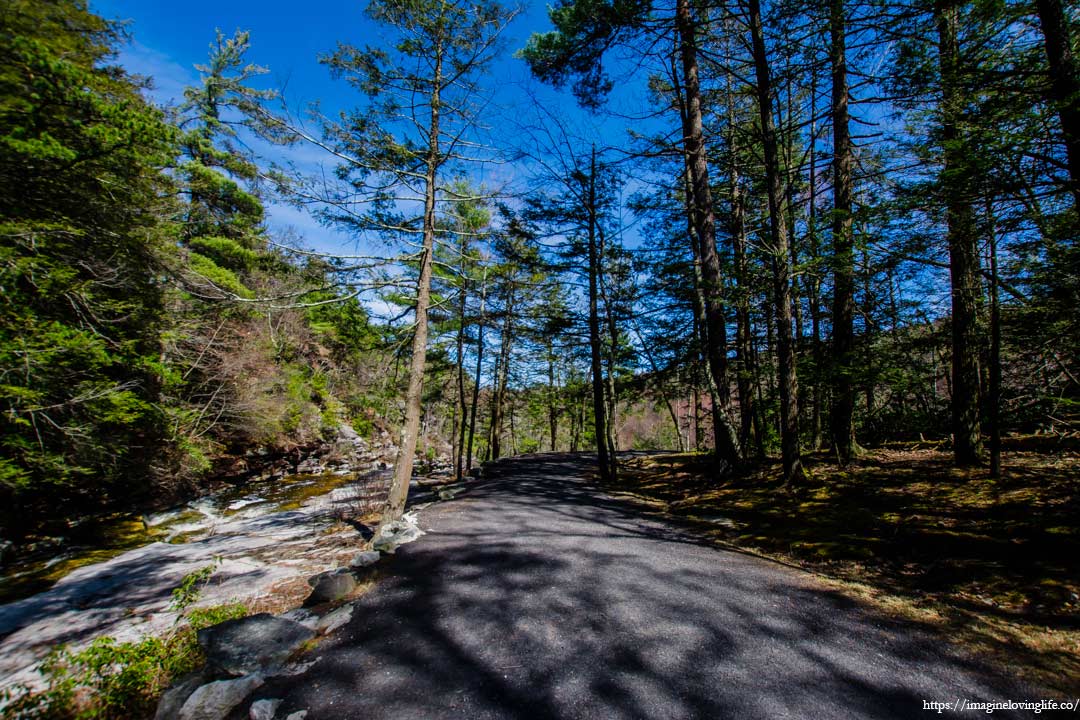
108,538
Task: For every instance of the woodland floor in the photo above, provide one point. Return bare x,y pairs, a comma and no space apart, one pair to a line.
995,564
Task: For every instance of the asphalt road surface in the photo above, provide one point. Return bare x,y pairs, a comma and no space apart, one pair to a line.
535,595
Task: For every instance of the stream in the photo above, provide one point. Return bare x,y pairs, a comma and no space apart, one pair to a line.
265,539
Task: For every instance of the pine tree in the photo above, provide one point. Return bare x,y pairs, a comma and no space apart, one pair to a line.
81,225
430,74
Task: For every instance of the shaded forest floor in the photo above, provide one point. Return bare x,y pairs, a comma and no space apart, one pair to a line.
994,564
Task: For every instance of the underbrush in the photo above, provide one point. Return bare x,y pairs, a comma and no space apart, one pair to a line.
113,680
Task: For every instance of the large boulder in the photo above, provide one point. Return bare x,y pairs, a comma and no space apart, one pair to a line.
330,586
250,644
215,700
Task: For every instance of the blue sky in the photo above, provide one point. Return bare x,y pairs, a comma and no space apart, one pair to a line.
168,39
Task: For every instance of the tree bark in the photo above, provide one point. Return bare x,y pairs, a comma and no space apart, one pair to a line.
813,283
957,188
553,410
403,465
841,417
995,350
463,405
781,258
479,368
745,371
612,348
603,459
1064,83
727,440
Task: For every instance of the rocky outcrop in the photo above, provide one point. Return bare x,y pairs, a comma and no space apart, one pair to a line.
178,693
364,559
257,643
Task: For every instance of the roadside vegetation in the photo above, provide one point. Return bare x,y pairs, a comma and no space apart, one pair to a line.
993,563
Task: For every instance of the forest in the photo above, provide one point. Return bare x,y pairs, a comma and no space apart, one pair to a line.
762,250
852,237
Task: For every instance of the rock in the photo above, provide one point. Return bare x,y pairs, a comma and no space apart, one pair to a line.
333,620
298,715
245,645
330,586
476,472
345,431
311,466
296,668
393,534
7,552
305,617
449,493
264,709
364,559
174,698
213,701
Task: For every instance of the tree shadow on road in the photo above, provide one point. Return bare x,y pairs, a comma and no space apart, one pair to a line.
538,597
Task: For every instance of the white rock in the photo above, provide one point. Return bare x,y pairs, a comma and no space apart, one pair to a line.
298,715
264,709
333,620
395,533
215,700
302,616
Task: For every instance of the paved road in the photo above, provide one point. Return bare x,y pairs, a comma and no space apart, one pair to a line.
535,596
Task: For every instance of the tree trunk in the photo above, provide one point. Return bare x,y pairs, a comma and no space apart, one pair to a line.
1064,83
612,349
957,187
781,258
462,402
553,395
603,459
727,440
814,289
995,350
743,356
841,422
498,399
479,368
403,465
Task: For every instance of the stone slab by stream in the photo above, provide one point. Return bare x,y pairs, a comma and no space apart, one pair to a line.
258,547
